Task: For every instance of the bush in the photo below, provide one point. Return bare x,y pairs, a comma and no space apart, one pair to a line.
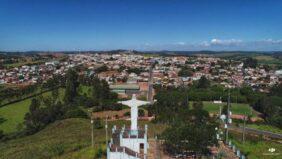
100,153
141,112
1,134
75,113
97,123
126,114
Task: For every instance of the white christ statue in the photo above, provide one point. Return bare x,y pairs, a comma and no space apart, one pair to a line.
133,104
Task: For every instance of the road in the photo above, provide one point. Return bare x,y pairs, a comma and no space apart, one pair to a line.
258,132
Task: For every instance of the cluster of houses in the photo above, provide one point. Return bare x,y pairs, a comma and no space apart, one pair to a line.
164,70
128,72
31,74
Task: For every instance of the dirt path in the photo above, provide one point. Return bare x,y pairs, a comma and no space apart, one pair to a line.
227,152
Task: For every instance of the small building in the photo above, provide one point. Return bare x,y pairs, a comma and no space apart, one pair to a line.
127,89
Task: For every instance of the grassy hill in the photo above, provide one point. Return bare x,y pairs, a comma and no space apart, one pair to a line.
70,138
59,138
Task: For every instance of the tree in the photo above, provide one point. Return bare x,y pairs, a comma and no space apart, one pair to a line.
33,119
250,62
185,72
71,86
203,83
193,134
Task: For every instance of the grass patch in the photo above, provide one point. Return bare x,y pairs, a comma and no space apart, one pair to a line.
259,149
236,108
13,114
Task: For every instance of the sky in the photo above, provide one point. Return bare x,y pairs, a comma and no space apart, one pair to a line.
67,25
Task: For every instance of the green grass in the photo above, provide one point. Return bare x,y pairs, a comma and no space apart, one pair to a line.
61,137
255,147
70,138
265,128
82,89
13,114
259,149
236,108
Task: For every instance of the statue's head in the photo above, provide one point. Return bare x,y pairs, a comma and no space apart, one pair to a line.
133,96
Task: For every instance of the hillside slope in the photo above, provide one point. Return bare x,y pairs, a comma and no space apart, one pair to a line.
62,138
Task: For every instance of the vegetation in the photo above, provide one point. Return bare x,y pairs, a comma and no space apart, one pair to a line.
236,108
13,114
265,128
256,147
271,106
250,62
193,132
71,86
65,139
186,72
190,130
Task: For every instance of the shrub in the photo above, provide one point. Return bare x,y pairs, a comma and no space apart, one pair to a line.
75,113
1,134
126,114
56,150
97,123
141,112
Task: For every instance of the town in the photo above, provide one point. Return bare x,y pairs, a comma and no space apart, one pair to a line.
134,70
142,79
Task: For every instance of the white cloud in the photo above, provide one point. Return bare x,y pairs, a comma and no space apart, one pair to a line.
271,41
180,43
225,42
219,45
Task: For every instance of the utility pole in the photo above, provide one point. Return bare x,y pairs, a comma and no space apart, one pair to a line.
227,117
92,133
244,129
106,127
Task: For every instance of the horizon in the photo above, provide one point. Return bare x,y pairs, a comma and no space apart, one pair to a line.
140,25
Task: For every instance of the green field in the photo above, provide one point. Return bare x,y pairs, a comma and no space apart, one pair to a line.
236,108
13,114
70,138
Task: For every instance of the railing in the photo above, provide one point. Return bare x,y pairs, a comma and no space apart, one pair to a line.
126,150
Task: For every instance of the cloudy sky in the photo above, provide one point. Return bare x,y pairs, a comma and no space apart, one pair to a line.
140,24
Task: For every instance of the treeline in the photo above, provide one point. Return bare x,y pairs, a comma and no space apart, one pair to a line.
204,90
269,104
8,94
13,94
